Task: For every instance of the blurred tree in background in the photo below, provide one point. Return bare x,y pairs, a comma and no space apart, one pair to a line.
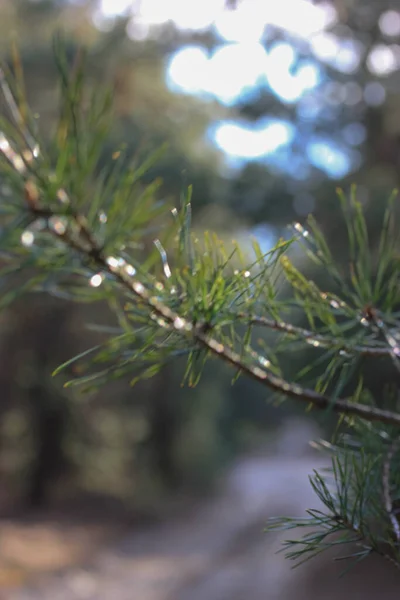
345,128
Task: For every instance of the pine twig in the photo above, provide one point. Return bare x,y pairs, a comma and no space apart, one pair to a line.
387,498
125,275
315,339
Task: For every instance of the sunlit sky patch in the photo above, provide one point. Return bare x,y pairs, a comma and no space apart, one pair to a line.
191,70
289,87
186,14
299,17
241,65
235,68
252,142
342,55
265,235
389,23
383,59
336,161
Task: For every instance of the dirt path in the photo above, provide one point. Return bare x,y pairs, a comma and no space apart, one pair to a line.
213,553
219,551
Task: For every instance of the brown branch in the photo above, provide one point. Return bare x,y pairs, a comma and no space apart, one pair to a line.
124,273
312,338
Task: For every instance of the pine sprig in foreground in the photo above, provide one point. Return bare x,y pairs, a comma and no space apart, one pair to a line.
78,232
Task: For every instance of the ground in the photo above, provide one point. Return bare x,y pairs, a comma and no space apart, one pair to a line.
213,550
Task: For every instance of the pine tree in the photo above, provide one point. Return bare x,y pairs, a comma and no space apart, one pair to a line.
78,233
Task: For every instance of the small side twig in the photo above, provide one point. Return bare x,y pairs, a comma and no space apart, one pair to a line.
314,339
387,498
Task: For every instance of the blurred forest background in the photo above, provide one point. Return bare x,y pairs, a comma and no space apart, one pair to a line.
266,108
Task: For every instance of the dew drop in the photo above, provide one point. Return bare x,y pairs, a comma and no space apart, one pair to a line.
162,322
4,143
27,238
264,362
102,217
96,280
159,286
62,197
138,288
115,263
299,227
179,323
313,342
246,274
129,270
58,225
112,262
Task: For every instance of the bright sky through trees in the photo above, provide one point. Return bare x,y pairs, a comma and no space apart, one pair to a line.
241,64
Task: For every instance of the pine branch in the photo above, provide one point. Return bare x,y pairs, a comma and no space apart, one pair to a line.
353,517
313,338
124,274
76,234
